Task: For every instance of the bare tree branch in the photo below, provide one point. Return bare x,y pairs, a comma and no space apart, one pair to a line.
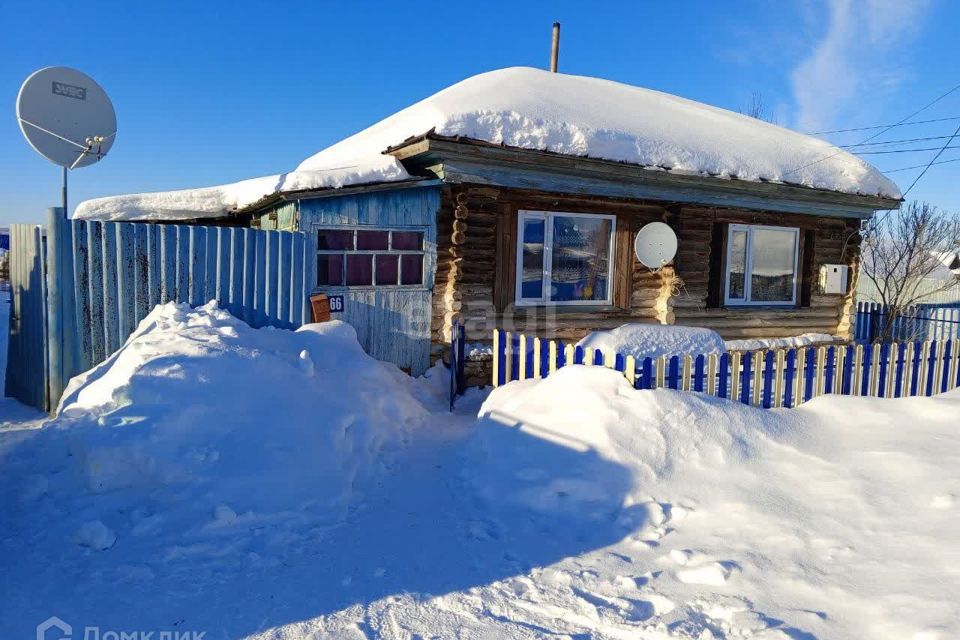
903,257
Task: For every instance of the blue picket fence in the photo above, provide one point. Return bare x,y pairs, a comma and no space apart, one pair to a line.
920,322
764,378
103,278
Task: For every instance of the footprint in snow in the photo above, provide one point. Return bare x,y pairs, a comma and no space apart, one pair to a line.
714,574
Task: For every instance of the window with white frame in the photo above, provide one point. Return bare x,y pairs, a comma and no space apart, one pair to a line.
564,258
369,257
761,265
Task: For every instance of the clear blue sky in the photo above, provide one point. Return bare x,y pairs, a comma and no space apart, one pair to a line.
211,92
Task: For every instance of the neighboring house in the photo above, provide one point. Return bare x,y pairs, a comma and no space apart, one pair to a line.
941,286
512,200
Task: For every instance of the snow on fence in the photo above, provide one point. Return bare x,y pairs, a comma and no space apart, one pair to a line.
93,282
767,378
920,322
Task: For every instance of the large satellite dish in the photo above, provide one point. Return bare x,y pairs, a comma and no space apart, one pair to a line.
655,245
66,117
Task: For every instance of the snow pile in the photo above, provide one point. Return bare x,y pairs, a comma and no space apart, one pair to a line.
199,407
534,109
654,340
803,340
214,202
204,471
834,520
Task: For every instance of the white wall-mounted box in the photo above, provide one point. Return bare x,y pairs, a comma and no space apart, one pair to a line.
833,278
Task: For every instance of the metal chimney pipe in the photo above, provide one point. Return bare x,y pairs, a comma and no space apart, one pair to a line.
555,49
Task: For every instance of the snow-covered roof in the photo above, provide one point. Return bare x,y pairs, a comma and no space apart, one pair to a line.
218,201
535,109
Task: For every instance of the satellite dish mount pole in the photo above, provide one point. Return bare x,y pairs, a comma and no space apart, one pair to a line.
64,192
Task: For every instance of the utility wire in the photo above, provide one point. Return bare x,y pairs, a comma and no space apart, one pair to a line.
881,126
903,141
917,166
873,153
884,130
932,160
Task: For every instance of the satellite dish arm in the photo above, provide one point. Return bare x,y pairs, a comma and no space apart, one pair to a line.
51,133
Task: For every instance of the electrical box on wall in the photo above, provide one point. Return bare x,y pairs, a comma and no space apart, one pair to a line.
833,278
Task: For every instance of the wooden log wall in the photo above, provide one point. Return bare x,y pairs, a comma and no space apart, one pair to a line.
832,240
476,257
469,262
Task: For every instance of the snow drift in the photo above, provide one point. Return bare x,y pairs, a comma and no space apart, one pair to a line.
654,340
243,421
255,484
803,340
833,520
534,109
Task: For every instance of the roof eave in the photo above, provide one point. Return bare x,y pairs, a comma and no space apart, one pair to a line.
279,197
452,159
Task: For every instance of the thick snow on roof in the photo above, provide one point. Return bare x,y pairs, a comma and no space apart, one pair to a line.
214,202
581,116
535,109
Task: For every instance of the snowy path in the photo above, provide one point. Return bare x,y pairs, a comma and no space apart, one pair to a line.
420,559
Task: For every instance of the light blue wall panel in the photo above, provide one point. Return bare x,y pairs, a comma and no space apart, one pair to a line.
392,323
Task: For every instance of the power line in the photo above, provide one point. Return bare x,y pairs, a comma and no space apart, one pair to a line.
881,126
917,166
902,141
932,160
873,153
882,131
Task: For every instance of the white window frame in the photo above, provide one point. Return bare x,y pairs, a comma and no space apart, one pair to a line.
548,217
748,267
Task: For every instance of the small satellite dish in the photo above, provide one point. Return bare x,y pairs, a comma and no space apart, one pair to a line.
655,245
66,117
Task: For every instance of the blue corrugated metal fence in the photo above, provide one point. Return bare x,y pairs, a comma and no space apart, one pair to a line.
919,322
26,375
104,278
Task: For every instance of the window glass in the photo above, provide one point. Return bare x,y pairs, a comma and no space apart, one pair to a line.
332,239
531,274
387,266
371,240
772,265
737,268
580,258
359,270
330,269
407,241
411,268
368,257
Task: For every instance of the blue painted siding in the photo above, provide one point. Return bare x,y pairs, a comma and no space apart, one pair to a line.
392,323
